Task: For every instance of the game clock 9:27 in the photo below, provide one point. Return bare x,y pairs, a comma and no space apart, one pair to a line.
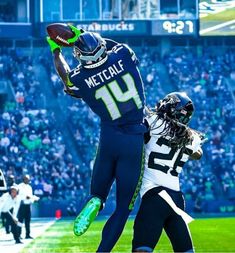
174,27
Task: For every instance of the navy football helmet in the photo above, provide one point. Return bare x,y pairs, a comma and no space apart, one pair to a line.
90,49
177,106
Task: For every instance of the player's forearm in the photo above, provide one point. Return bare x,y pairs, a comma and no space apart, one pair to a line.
61,65
63,70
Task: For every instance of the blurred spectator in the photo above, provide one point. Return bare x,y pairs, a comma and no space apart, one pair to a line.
8,11
71,209
130,9
91,9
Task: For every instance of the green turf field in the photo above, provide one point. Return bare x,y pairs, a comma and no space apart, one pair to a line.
209,235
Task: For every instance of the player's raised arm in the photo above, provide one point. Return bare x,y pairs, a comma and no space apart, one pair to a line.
56,41
61,65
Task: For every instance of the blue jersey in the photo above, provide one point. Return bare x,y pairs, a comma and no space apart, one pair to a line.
113,90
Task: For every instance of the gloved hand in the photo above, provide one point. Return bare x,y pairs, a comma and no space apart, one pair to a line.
77,33
53,45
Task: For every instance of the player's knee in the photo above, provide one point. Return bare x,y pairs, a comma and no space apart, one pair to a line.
143,249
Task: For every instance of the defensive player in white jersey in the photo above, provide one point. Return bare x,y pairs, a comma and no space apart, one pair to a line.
169,143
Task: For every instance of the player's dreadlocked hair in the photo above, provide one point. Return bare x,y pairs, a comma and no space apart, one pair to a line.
175,111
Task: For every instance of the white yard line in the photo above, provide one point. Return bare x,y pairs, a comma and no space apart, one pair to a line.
38,227
210,29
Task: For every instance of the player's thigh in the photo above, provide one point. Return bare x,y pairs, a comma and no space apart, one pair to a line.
149,222
129,171
103,173
179,234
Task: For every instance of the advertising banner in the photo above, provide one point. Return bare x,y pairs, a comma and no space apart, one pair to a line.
111,28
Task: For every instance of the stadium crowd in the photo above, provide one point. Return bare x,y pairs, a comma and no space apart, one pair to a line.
30,142
7,12
208,86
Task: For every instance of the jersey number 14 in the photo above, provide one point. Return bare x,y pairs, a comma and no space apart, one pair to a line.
111,94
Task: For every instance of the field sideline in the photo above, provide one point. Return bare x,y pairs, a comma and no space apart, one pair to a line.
209,235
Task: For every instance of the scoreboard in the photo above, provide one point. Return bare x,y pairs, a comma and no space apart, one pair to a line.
174,27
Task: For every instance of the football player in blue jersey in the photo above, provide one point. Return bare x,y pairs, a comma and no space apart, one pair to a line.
109,81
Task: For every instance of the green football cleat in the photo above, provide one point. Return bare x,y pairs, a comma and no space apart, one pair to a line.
86,216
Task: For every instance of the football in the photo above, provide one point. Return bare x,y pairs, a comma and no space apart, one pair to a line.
60,33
